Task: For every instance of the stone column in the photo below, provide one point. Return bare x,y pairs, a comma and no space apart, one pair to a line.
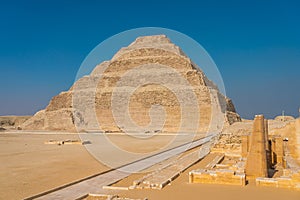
277,152
267,134
245,145
256,165
273,156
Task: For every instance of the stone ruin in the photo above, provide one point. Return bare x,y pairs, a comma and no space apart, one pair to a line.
282,166
12,122
88,104
255,148
264,159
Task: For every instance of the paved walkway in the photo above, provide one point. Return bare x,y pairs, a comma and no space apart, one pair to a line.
95,184
161,177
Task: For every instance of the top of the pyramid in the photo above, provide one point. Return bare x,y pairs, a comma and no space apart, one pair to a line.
151,41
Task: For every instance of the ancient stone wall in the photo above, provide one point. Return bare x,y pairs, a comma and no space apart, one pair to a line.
224,177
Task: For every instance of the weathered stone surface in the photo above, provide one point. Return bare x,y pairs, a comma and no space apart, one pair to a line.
147,70
220,176
281,182
277,150
12,122
256,165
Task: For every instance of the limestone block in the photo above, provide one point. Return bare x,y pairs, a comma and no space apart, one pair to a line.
220,176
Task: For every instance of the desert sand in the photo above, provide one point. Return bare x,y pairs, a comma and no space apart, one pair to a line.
28,167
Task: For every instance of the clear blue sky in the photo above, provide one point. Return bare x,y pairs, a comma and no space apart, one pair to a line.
255,44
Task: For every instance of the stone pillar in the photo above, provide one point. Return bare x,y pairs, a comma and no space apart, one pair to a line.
267,134
277,150
245,145
268,145
256,165
273,156
284,163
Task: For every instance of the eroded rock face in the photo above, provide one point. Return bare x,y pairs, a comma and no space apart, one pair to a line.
154,81
12,122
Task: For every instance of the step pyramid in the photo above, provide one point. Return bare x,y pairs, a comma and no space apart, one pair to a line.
149,86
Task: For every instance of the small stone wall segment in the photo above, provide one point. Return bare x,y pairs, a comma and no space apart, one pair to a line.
281,182
222,176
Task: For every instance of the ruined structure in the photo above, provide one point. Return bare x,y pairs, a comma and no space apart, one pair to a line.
266,159
257,158
147,71
224,177
225,170
269,160
12,122
245,145
277,150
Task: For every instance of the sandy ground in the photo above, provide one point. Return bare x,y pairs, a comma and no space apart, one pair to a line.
180,189
28,166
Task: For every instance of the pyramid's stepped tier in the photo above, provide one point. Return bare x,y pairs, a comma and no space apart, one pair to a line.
152,79
159,42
